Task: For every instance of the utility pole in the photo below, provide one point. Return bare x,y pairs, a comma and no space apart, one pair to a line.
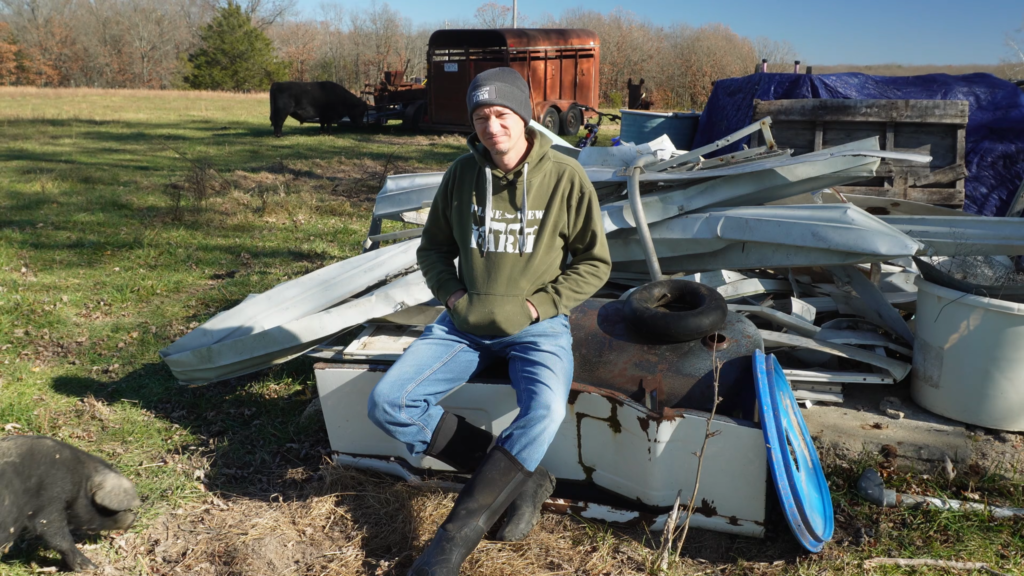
515,9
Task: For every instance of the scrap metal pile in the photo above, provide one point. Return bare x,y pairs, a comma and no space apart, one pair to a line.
828,279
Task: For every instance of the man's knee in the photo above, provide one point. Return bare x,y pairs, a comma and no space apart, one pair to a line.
383,408
548,414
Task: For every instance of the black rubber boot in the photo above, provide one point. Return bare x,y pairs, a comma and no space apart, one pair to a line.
463,446
496,483
458,443
524,512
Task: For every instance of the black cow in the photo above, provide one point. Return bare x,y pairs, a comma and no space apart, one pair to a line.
637,97
48,488
323,102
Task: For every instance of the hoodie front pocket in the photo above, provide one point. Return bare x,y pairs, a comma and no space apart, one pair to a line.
491,314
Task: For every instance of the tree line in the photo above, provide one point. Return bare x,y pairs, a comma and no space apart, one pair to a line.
247,44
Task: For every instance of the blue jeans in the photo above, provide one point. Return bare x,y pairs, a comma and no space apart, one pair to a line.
405,402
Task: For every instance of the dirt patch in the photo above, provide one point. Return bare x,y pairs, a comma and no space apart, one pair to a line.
449,139
357,180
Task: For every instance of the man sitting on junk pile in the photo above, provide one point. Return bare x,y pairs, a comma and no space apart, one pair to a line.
524,222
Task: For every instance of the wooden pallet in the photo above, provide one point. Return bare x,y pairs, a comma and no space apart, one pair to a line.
935,127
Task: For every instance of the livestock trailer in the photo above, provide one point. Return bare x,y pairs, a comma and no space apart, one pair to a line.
559,65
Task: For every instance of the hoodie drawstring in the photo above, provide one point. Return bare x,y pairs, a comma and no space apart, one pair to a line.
522,211
487,211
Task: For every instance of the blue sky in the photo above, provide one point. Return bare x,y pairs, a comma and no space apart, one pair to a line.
822,31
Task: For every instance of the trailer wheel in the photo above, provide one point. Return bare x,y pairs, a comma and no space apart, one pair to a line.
571,120
550,120
676,310
413,115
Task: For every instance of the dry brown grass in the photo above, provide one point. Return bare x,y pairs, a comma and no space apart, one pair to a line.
87,106
62,93
349,522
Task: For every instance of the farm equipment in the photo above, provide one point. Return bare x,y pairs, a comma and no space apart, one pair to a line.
393,98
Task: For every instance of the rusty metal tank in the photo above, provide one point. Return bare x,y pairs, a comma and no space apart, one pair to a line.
609,353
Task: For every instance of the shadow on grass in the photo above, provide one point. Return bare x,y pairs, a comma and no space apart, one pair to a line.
252,143
251,427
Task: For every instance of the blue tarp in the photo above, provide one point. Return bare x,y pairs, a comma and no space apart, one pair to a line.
995,127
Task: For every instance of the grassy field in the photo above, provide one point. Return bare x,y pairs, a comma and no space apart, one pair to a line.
127,218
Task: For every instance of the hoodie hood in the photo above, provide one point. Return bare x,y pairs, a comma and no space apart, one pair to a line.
539,146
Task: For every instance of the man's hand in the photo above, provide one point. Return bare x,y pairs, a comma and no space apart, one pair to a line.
455,298
533,311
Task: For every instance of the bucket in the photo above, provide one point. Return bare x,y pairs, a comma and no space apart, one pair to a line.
968,361
640,127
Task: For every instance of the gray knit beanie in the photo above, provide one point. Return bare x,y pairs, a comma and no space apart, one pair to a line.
500,87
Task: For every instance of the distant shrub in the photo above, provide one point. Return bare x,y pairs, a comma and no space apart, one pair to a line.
234,55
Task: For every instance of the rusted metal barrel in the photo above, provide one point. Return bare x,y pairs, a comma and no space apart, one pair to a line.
612,355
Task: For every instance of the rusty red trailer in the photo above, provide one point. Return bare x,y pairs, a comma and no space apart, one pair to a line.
560,66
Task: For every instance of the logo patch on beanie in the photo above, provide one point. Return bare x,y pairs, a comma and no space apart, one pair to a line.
484,93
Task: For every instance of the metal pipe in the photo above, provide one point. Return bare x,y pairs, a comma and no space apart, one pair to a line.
636,206
871,487
515,8
764,64
796,67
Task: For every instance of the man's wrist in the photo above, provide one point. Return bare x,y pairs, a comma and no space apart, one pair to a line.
455,297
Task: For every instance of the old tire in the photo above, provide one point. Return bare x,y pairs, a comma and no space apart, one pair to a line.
550,120
571,121
676,310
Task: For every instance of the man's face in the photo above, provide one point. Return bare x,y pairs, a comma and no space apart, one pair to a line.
500,129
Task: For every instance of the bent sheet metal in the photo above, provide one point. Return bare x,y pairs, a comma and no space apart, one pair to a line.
299,297
963,235
760,182
274,345
764,237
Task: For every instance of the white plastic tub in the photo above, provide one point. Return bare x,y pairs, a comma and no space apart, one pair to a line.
969,357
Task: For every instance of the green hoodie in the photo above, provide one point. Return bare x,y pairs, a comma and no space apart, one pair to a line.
478,216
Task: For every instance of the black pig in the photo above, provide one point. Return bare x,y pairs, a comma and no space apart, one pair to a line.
48,488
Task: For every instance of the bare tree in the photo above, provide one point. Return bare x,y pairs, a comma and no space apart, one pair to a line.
138,43
264,13
494,15
156,36
376,38
414,49
1015,61
708,54
780,54
630,48
335,62
299,44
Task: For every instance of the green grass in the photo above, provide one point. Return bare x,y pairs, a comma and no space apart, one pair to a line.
99,270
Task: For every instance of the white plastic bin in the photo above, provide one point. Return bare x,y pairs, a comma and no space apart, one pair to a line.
969,357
